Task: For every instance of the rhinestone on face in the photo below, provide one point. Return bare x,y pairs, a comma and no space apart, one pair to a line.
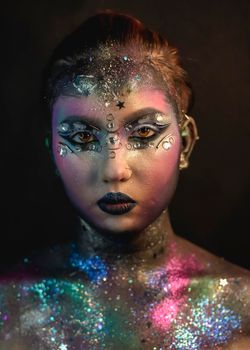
137,145
159,118
110,125
128,127
78,148
166,145
112,154
129,146
63,127
110,117
113,140
92,147
62,151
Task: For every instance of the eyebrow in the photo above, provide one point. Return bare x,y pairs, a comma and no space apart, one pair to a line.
133,117
141,113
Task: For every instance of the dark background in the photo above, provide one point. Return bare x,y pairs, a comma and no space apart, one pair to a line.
211,205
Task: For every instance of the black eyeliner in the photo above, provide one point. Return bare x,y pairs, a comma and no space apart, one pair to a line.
149,117
77,119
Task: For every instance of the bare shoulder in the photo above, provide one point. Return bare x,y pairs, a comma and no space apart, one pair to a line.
242,343
225,283
214,265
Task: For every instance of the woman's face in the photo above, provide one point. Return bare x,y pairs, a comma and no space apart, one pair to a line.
128,147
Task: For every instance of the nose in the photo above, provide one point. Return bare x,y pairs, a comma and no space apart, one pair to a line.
116,169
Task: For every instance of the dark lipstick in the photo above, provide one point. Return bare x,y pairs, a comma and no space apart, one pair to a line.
116,203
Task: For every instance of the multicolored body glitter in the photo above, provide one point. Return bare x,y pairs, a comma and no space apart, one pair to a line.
139,290
103,306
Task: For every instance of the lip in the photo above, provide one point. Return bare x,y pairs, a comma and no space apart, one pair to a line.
116,203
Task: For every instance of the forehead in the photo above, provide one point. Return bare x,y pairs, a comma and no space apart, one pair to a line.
93,106
110,72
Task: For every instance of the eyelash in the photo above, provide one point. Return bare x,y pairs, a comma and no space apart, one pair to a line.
149,127
145,140
81,133
156,131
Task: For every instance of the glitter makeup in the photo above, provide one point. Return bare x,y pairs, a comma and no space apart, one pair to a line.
104,307
140,133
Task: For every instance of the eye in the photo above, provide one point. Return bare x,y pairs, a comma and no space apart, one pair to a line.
144,132
83,137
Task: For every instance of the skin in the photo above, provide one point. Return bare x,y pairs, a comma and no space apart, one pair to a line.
149,176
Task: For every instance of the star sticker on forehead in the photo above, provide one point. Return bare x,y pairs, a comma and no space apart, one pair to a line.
120,104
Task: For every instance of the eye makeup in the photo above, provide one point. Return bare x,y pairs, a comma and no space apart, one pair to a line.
80,135
140,133
145,130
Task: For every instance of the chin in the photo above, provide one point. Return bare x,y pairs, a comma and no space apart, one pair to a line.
123,225
119,225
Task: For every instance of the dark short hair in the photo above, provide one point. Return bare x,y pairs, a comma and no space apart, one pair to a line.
104,28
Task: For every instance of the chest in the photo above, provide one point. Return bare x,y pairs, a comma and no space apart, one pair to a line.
70,315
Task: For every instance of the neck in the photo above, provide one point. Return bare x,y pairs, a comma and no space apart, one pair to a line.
148,245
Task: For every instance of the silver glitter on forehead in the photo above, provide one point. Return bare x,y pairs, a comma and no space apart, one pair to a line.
110,71
83,84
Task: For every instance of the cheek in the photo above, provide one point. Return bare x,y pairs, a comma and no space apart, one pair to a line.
74,170
159,172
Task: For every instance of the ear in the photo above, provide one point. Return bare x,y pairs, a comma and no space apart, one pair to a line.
189,134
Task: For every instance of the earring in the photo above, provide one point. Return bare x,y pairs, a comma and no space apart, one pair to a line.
184,163
189,134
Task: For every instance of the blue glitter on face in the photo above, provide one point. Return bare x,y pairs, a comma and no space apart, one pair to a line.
94,267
